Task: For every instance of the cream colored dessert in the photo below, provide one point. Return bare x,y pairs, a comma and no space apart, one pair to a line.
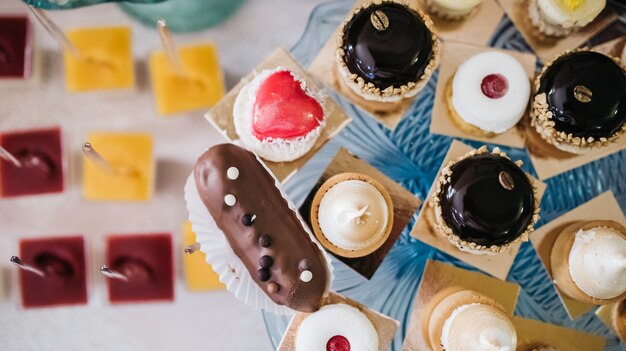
339,325
597,262
466,320
353,214
478,327
561,17
452,9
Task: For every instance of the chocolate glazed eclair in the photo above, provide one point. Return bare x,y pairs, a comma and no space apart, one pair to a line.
261,228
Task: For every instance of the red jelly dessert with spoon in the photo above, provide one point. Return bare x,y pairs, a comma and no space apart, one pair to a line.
146,262
62,261
15,47
39,168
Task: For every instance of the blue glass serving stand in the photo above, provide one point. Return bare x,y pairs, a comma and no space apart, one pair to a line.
411,156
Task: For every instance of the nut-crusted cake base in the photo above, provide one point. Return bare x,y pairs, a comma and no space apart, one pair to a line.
369,91
541,119
443,229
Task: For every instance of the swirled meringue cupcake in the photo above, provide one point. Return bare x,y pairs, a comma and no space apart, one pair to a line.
469,321
561,17
352,215
488,94
484,203
386,51
336,327
588,262
279,115
452,9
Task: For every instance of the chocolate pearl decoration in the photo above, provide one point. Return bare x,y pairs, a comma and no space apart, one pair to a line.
265,240
230,200
306,276
479,208
586,93
273,288
392,48
248,219
266,261
264,274
232,173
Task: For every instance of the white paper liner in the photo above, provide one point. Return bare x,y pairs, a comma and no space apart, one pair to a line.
225,263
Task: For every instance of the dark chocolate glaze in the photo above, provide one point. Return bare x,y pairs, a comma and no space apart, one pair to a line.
275,232
605,114
391,57
479,209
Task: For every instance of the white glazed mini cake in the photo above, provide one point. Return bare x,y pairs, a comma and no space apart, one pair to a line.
338,326
489,93
278,115
597,262
561,17
353,215
452,9
478,327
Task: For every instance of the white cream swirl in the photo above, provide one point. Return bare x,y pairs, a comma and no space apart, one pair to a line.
353,214
570,13
478,327
336,320
597,262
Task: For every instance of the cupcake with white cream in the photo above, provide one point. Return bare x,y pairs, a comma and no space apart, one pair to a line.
352,215
559,18
488,94
279,115
588,262
468,320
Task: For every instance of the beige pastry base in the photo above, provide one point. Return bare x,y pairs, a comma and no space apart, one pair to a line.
221,115
497,265
602,207
319,234
452,56
549,47
325,69
404,206
440,280
532,333
605,314
477,28
385,326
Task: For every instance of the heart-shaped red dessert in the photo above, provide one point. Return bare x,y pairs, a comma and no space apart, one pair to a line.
283,110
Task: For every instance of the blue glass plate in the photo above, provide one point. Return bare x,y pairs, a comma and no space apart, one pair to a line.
411,156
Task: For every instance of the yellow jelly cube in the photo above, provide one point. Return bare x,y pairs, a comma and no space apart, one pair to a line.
105,59
198,273
131,173
200,86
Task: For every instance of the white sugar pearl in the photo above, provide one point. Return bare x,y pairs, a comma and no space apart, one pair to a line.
306,276
232,173
230,199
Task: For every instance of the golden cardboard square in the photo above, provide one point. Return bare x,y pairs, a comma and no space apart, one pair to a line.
324,69
602,207
605,314
221,115
477,28
385,326
441,279
452,56
404,206
497,265
532,333
517,10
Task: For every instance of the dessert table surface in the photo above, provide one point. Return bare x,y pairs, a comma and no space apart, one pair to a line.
194,321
